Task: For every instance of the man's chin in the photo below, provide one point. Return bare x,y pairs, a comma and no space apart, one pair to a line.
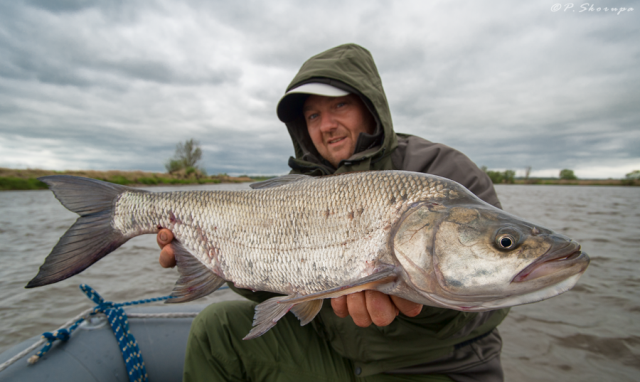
338,156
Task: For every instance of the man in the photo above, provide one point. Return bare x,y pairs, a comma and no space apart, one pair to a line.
339,120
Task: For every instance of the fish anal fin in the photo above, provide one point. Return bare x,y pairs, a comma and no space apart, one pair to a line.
365,283
266,316
307,311
196,280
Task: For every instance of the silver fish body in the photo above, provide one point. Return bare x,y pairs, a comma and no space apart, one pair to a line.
303,237
418,236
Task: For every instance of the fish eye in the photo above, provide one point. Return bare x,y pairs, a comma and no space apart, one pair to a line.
506,241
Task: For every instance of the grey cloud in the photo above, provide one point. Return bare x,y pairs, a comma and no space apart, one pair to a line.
60,6
507,84
79,53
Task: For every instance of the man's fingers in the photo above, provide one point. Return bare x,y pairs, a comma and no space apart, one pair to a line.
408,308
164,237
381,310
339,305
358,309
167,257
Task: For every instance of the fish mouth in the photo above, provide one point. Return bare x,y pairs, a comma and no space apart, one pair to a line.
508,301
557,259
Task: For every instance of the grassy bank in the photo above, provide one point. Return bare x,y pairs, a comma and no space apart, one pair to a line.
579,182
11,179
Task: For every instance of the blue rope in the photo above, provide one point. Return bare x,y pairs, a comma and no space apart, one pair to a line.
119,324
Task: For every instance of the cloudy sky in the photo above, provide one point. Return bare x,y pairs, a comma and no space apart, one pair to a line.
116,84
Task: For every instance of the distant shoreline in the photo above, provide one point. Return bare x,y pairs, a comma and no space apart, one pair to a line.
577,182
15,180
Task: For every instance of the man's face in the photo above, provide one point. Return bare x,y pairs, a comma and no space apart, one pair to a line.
334,124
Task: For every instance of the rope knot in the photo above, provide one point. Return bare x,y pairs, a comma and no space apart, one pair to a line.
60,334
104,306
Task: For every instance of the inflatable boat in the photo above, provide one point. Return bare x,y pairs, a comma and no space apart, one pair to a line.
92,352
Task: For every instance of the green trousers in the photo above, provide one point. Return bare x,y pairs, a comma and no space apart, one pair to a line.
288,352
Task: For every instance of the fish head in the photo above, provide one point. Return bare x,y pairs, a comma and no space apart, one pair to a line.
472,256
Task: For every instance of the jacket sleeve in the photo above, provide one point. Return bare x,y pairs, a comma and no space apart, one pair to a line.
419,155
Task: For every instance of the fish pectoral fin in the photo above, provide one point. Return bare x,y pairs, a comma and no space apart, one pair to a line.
196,280
307,311
279,181
365,283
307,307
266,316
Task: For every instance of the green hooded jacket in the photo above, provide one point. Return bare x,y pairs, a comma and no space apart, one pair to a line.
437,340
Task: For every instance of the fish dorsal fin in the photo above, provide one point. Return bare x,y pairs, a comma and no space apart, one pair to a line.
196,280
279,181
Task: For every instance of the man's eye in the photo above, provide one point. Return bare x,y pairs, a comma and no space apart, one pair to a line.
340,104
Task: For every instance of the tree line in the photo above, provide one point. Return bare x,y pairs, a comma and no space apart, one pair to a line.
509,176
187,155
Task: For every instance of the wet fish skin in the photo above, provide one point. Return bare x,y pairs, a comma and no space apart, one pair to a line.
410,234
304,237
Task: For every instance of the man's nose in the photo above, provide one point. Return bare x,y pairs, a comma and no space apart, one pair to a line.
327,122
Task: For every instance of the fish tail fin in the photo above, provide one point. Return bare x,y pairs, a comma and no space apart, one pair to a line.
91,237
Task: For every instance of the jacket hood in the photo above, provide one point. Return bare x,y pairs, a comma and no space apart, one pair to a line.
349,67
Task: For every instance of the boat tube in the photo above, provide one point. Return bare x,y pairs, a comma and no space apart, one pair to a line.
92,352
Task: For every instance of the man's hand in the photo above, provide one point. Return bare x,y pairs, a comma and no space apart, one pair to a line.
371,306
167,257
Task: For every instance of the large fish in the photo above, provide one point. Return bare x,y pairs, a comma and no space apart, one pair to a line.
417,236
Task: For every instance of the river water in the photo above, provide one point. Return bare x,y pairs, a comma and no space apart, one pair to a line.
591,333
